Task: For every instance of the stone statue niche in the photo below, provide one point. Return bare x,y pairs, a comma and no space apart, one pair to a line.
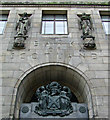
22,27
53,99
85,24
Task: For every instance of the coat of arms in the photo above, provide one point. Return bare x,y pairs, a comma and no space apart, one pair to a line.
53,99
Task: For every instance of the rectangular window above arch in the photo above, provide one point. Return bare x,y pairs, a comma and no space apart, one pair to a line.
105,16
54,22
3,20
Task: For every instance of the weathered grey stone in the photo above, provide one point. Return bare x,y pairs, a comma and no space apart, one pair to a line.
6,74
5,111
101,74
98,82
84,71
98,67
83,67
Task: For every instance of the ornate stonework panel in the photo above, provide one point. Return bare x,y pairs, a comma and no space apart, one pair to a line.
53,100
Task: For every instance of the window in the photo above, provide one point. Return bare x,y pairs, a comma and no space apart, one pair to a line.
106,23
3,20
54,24
105,16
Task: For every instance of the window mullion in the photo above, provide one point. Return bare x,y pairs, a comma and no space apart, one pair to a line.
44,26
63,25
54,25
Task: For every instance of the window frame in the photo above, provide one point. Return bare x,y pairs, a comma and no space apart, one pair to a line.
105,13
54,28
5,22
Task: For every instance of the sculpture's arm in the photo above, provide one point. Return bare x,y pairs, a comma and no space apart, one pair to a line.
29,22
79,24
17,24
91,23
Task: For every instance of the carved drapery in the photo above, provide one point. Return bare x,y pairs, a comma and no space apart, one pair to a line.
22,27
85,24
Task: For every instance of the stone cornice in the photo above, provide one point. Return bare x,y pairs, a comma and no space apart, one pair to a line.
78,4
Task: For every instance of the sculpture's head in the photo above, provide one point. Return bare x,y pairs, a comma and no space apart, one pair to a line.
54,88
45,92
83,14
54,85
66,89
63,93
20,19
42,88
25,14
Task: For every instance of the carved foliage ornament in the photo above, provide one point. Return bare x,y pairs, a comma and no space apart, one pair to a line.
22,27
85,24
53,99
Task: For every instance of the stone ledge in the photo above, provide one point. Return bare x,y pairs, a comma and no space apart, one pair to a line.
56,3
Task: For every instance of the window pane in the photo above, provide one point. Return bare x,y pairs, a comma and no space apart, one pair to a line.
106,26
59,27
105,18
3,17
49,27
60,17
43,27
1,30
2,26
65,23
2,23
48,17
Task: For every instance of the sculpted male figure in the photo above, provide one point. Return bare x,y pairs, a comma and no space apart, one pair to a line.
85,24
22,27
23,24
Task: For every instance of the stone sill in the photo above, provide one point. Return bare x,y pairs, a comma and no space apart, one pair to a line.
55,35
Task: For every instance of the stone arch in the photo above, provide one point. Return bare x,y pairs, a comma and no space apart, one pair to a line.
39,75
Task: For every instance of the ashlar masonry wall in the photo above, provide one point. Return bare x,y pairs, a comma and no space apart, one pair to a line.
66,49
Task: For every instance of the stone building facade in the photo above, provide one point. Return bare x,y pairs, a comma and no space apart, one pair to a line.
54,57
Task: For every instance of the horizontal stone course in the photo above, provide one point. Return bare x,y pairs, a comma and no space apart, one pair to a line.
55,1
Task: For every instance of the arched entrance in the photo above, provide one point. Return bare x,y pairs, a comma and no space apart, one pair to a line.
43,74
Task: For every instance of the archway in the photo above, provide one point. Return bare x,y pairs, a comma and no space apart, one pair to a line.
46,73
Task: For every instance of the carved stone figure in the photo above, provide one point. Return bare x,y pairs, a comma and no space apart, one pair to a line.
65,103
22,27
89,42
85,24
53,99
19,41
